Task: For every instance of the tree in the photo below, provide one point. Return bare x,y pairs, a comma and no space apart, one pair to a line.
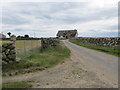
9,33
26,36
22,36
19,36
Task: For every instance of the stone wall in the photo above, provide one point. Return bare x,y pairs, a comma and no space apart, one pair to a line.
49,42
106,42
8,52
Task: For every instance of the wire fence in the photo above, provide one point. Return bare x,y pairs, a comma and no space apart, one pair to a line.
25,48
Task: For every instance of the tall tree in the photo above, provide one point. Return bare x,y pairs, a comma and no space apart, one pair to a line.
26,36
19,36
9,33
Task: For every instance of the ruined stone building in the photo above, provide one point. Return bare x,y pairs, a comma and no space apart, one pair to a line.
66,34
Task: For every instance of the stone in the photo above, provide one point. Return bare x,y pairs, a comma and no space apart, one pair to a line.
49,42
3,49
11,47
3,56
12,51
105,42
12,56
5,45
8,53
17,60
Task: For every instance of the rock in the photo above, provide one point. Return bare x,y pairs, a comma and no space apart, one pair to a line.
12,51
5,45
3,49
17,60
4,56
11,47
8,52
3,62
49,42
10,74
16,73
105,42
12,56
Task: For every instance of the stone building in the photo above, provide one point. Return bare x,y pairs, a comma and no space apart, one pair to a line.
66,34
2,36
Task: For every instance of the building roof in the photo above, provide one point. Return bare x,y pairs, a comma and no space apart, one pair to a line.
66,32
2,35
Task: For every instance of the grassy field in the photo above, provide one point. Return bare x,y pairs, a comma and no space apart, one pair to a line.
24,48
38,60
5,41
22,84
24,45
109,50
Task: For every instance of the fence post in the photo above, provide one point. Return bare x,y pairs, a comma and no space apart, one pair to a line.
24,47
38,43
31,44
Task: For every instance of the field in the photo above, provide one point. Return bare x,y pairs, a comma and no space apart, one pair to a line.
24,47
35,59
6,41
109,50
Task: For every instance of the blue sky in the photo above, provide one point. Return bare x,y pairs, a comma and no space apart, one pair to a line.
91,18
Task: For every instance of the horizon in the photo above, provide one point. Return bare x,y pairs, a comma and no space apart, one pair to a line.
90,18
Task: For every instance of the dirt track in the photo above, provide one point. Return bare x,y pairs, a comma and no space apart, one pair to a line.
75,72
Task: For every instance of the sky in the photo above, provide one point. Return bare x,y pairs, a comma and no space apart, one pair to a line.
92,18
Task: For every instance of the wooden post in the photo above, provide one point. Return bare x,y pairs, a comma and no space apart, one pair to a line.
24,47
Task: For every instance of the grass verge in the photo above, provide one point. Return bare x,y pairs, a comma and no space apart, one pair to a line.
22,84
37,61
109,50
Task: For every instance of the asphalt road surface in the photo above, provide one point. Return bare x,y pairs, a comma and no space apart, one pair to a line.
105,65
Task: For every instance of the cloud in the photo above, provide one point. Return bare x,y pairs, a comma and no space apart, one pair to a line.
46,18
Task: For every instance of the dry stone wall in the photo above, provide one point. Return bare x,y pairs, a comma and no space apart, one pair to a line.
106,42
49,42
8,52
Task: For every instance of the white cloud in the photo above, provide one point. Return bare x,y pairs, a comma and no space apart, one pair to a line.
44,17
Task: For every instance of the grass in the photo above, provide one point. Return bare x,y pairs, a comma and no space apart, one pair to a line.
0,85
38,60
5,41
21,84
23,46
109,50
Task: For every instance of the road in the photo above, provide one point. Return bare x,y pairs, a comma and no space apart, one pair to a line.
106,66
85,68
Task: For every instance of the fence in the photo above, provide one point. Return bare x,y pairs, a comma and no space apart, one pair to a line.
105,42
25,48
